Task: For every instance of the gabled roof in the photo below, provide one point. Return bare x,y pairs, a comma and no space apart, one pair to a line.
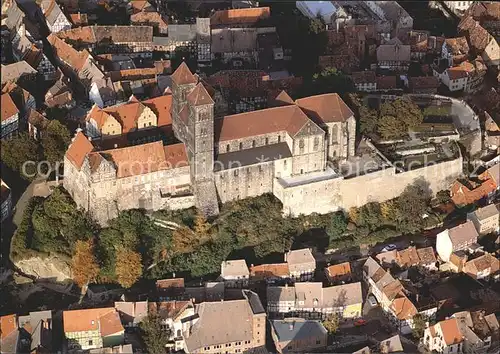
465,232
451,331
220,323
247,16
199,96
105,320
403,308
297,329
14,71
486,261
265,271
78,149
287,118
9,108
486,212
142,159
182,75
325,108
148,18
67,53
338,270
168,309
283,99
457,46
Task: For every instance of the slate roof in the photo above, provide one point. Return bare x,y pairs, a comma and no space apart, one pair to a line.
248,157
296,329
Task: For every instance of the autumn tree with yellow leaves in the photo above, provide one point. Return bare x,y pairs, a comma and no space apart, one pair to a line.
128,267
84,264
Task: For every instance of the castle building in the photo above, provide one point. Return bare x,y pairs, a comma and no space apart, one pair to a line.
290,150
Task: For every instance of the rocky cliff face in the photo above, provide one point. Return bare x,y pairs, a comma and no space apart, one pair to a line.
48,268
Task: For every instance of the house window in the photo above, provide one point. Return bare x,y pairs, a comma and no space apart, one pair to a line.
227,148
90,342
318,342
279,138
253,143
267,141
316,143
241,146
335,133
235,173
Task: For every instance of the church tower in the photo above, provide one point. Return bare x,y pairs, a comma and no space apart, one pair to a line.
193,124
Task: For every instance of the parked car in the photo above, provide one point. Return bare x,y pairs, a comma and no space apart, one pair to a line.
360,322
372,301
390,247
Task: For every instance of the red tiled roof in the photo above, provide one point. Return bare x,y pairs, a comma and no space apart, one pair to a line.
240,16
8,324
265,271
67,53
386,82
182,75
338,270
145,158
423,82
161,106
451,331
78,149
170,283
362,77
199,96
462,195
149,18
79,19
9,108
326,108
286,118
168,309
106,320
403,308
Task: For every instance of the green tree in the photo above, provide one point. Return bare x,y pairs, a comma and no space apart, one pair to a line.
328,80
18,150
410,208
419,325
55,141
391,127
332,323
368,119
336,226
154,336
397,118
